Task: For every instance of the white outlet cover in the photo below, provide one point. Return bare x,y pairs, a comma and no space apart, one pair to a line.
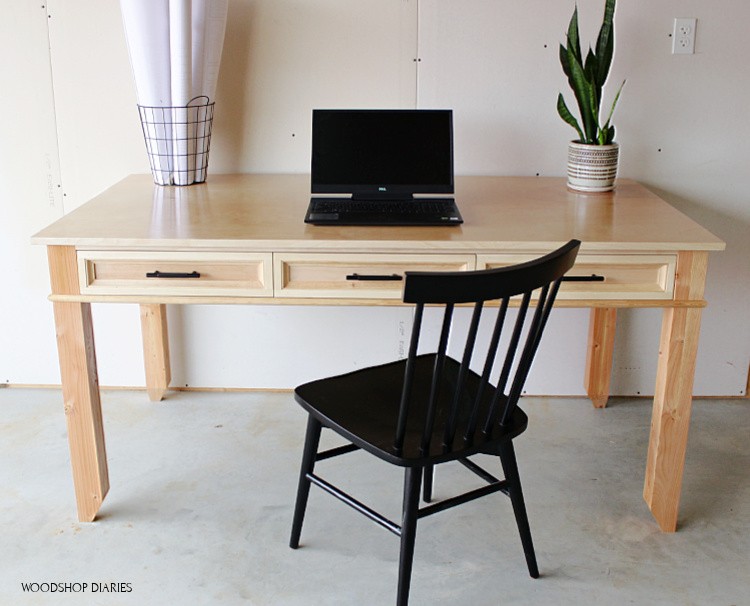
683,36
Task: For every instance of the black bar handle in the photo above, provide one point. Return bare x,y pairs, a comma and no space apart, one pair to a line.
591,278
172,274
375,277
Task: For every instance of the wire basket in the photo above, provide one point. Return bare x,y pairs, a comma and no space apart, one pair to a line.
178,140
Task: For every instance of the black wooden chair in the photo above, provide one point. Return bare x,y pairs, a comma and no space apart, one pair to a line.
430,409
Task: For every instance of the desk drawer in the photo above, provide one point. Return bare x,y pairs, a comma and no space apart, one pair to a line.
355,276
631,276
175,273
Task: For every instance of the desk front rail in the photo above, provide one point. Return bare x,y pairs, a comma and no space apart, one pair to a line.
624,280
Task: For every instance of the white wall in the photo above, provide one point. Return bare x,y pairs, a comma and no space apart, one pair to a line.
30,195
680,122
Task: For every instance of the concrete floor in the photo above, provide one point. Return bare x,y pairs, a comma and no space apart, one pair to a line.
203,485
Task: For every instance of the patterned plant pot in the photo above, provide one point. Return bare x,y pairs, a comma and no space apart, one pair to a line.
592,168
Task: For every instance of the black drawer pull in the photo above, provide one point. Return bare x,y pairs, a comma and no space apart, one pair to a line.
172,274
591,278
375,277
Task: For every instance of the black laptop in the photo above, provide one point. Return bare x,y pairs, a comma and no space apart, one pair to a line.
382,167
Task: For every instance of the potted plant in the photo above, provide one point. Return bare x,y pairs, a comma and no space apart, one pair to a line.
592,158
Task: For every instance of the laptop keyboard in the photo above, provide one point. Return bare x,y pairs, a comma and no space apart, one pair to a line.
417,206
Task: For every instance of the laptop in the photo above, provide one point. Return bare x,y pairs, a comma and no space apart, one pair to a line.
382,167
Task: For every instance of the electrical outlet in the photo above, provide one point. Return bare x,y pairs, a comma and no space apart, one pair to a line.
683,37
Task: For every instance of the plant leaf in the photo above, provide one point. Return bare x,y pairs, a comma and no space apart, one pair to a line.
564,61
574,42
583,93
590,69
565,114
593,134
610,135
612,109
605,43
606,135
591,63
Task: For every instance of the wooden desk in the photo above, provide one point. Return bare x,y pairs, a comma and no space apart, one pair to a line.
244,236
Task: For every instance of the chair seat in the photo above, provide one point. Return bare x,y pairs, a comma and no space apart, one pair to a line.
363,407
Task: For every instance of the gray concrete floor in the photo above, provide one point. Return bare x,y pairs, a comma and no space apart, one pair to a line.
203,486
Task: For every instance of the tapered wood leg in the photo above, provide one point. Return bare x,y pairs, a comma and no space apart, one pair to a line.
155,350
83,413
600,354
80,386
673,395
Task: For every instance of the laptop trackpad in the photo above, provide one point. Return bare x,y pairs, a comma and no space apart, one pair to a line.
323,217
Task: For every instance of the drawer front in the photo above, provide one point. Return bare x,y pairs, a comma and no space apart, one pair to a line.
629,277
355,276
175,273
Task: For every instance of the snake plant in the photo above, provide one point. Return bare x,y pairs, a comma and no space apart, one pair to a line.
587,78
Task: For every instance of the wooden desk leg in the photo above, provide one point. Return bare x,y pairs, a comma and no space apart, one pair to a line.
670,419
155,350
83,412
80,385
600,354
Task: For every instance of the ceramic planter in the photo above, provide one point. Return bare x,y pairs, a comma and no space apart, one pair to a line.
592,168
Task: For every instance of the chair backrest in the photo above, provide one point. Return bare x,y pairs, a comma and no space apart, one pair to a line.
478,403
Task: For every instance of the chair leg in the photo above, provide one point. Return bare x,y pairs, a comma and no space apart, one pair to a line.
412,484
510,467
312,438
429,474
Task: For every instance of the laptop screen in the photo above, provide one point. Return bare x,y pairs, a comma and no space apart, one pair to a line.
382,153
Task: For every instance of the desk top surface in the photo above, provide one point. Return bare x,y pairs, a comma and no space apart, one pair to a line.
265,212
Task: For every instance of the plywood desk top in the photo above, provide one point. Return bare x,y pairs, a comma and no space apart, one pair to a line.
260,212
